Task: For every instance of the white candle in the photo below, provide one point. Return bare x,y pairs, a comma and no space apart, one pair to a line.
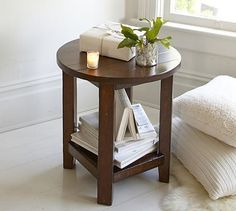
92,59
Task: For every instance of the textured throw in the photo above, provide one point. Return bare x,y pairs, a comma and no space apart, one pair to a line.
190,195
212,162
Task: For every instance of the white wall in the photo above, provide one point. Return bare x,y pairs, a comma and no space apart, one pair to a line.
131,9
31,31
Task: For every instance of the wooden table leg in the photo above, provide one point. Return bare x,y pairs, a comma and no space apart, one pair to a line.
69,116
105,148
165,127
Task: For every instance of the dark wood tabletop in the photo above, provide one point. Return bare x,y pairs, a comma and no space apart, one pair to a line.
74,63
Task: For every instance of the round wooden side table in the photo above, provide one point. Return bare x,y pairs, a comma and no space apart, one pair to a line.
113,74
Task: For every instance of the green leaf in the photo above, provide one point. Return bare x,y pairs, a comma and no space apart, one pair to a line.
142,29
158,24
165,41
151,36
154,31
127,43
128,32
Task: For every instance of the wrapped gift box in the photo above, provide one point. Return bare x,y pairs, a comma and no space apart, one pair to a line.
105,40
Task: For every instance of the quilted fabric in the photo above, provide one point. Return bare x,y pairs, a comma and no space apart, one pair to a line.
211,161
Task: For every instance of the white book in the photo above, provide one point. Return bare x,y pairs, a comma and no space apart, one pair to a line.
127,120
131,144
125,116
90,133
129,115
81,139
122,160
85,137
127,146
90,121
143,124
123,97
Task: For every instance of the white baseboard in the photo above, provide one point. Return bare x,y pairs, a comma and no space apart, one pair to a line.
149,94
32,102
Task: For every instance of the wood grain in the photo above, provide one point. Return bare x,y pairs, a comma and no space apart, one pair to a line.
105,144
69,116
115,71
165,127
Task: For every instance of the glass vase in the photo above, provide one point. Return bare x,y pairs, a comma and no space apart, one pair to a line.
147,55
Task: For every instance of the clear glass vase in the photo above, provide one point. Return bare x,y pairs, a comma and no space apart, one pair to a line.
147,55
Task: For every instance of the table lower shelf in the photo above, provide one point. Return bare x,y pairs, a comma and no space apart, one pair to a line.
89,161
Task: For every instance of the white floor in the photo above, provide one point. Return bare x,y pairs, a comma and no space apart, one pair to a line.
32,177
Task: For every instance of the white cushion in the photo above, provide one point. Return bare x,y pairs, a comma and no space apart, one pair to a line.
212,162
211,108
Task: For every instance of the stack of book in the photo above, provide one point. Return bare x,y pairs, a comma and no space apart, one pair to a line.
135,138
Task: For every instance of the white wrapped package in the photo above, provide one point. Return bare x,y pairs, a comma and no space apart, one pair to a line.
105,40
